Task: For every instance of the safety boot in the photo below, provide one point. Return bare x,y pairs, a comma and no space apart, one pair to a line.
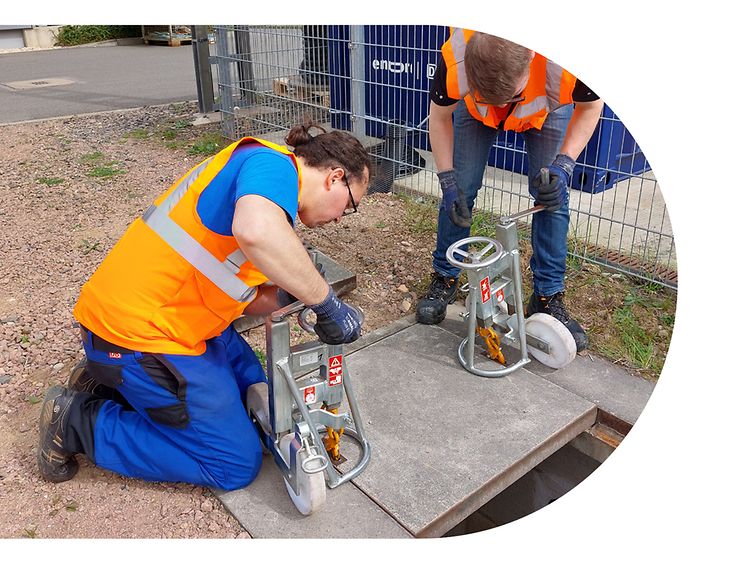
81,380
554,306
55,463
431,308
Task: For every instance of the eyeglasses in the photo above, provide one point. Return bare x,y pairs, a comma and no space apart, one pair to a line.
354,208
518,98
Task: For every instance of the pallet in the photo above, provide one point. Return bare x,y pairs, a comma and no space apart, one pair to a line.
169,42
294,88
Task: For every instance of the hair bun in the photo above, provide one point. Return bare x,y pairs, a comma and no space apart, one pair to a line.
298,135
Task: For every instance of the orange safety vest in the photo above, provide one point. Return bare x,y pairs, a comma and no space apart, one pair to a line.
549,87
170,283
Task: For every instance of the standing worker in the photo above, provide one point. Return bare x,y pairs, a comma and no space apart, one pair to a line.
488,84
156,315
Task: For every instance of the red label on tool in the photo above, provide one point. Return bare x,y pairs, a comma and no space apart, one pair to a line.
114,355
335,370
309,395
500,295
485,290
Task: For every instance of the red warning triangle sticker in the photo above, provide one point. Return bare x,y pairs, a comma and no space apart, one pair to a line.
335,361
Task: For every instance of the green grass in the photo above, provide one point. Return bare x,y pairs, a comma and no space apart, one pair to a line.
99,166
106,170
261,355
138,134
207,145
94,157
421,216
52,181
636,344
483,225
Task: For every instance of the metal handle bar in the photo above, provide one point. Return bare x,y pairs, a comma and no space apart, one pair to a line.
523,213
305,326
289,309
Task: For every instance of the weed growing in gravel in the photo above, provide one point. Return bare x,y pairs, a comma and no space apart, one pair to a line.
207,145
94,157
50,181
261,355
138,134
106,171
99,168
421,216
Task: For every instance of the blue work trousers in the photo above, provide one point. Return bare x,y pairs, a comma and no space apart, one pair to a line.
472,146
186,421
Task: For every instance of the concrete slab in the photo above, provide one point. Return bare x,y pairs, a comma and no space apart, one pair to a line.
444,441
265,510
614,390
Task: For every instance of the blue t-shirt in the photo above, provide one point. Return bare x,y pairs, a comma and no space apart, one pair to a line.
252,169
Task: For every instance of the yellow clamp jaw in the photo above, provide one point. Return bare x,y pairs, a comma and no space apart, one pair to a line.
493,343
331,440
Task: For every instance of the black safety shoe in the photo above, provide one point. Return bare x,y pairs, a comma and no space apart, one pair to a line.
55,463
554,306
432,307
80,380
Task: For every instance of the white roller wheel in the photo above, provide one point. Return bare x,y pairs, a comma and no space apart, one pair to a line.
312,486
561,345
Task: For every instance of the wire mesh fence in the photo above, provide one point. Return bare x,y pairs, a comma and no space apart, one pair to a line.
374,82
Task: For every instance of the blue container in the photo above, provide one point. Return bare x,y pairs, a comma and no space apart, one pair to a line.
611,155
399,65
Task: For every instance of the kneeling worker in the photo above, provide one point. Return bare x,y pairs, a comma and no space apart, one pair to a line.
156,316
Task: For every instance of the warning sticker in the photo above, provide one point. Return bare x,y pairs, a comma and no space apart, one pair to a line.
309,395
500,295
485,290
335,370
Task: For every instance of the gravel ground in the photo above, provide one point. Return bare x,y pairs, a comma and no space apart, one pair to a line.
57,222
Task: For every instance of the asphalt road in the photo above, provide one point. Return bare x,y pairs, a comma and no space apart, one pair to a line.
93,79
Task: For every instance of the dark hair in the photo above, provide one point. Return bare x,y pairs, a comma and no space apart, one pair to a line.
330,149
494,66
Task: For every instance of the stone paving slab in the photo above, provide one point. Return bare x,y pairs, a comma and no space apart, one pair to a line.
614,390
264,509
444,442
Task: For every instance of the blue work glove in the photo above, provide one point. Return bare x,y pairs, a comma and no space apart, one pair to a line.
336,322
285,298
552,183
453,199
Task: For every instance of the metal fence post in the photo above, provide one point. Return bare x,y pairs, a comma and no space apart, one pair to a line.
358,77
204,84
245,69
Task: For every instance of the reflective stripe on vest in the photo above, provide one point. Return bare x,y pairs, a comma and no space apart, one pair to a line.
458,43
553,84
222,274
